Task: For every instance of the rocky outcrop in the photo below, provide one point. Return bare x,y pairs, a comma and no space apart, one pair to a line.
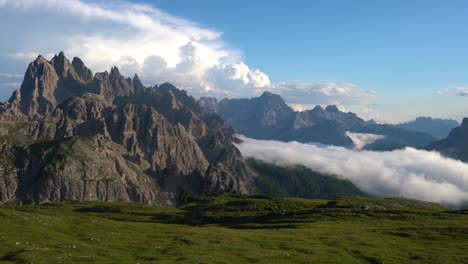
70,136
456,144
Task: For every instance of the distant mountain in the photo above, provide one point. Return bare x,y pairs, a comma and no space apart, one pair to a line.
456,144
269,117
438,128
299,181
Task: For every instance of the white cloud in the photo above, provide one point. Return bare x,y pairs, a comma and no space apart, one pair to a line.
138,39
158,46
409,172
360,140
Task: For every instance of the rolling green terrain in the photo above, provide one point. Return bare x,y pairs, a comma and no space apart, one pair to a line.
299,181
228,228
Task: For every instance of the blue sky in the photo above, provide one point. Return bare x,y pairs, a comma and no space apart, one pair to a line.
389,60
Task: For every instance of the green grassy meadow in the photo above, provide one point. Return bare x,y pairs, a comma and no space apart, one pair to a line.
228,228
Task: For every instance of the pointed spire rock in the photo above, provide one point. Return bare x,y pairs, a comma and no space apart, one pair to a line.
115,71
83,72
138,86
39,60
61,64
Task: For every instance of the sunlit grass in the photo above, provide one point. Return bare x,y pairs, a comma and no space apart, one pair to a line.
235,229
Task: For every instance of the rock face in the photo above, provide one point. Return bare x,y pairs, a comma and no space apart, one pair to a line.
69,135
456,144
438,128
269,117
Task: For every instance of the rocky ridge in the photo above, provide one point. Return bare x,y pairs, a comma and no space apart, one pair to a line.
269,117
456,144
69,135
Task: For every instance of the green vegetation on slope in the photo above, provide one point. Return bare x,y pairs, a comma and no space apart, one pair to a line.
299,181
227,228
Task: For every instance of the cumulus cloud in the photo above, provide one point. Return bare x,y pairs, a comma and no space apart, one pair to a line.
409,172
137,38
160,47
360,140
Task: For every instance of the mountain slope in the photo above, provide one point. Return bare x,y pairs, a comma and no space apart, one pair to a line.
71,136
269,117
299,181
456,144
438,128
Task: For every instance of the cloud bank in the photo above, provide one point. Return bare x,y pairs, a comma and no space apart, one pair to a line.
409,172
160,47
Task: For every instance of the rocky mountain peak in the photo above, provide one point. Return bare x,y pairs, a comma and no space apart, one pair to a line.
464,122
110,138
83,72
272,98
62,65
39,60
138,86
332,108
318,108
455,145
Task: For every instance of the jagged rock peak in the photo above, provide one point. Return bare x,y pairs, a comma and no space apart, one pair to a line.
332,108
115,71
464,122
83,72
269,95
138,86
266,93
40,60
136,78
317,108
120,144
273,99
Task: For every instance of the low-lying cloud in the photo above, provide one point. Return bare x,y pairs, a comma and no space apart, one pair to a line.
408,172
360,140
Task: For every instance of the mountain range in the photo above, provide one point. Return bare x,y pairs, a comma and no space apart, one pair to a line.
438,128
269,117
69,134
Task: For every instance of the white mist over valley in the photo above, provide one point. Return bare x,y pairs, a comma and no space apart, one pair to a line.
408,172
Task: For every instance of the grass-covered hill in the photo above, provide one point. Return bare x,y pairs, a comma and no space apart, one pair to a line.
299,181
228,228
